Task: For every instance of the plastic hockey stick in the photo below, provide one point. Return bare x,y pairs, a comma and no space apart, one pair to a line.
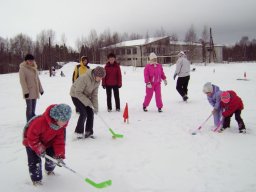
114,135
200,127
94,184
218,127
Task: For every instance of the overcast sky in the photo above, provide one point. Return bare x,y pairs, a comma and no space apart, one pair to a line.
229,19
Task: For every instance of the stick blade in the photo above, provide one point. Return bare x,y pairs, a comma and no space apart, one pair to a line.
99,185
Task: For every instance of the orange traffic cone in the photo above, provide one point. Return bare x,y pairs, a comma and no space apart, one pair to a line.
126,114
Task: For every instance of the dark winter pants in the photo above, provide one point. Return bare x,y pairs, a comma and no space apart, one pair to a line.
31,107
182,85
226,121
85,112
116,96
35,164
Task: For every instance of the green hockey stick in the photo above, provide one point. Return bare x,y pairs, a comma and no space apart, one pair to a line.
99,185
115,135
94,184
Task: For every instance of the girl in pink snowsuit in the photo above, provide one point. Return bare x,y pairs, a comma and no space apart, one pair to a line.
153,75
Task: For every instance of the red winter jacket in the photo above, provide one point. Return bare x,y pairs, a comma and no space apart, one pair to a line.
38,135
234,104
113,75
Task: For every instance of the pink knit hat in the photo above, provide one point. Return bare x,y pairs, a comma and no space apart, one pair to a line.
225,96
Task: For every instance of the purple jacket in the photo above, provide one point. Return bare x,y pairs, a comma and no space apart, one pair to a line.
214,99
154,73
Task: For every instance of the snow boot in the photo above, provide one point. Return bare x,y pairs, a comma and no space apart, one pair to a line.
160,110
145,109
37,183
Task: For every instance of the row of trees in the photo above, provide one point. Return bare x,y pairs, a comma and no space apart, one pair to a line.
48,52
244,50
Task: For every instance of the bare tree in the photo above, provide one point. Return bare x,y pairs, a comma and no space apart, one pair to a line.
174,37
190,35
21,44
160,32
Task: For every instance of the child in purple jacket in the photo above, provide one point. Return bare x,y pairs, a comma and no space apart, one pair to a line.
213,93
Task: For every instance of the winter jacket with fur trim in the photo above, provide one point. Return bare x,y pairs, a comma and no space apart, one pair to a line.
29,80
234,104
38,135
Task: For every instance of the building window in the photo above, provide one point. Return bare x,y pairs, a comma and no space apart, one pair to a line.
117,52
152,49
129,59
123,51
128,51
134,51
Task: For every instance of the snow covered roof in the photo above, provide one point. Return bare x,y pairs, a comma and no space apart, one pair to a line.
184,43
136,42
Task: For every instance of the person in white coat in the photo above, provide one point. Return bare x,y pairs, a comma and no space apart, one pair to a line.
183,73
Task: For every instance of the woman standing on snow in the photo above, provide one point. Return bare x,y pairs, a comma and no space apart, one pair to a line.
113,80
213,93
153,75
84,94
30,84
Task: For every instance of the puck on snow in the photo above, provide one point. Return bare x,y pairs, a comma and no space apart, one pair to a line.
193,133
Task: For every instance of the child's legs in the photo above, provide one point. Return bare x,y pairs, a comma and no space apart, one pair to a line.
158,96
34,165
148,97
239,119
217,117
49,165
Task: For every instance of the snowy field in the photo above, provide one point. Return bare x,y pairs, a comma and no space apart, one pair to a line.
158,152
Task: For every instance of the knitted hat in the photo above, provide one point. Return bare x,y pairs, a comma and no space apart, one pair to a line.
181,53
225,96
152,56
207,88
61,112
99,72
29,57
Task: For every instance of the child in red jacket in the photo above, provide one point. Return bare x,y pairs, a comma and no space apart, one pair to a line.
45,134
232,104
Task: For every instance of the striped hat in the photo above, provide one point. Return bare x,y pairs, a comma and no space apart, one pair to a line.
225,96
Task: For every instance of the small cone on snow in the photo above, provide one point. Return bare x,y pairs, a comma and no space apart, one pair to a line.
126,114
245,75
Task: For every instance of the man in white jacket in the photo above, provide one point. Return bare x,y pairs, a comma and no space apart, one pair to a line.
183,72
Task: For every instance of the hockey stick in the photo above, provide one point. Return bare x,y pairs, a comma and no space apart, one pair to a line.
94,184
200,127
114,135
218,127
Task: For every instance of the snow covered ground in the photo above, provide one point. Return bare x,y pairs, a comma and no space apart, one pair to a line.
158,152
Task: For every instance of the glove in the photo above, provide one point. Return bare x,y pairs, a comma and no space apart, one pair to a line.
214,111
165,82
94,110
103,86
149,85
42,154
60,161
26,95
42,93
174,76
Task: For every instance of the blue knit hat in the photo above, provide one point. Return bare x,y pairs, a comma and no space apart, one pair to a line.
61,112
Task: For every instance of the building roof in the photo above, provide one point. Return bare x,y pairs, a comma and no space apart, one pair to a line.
136,42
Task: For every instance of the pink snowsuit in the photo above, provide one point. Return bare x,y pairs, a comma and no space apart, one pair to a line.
153,73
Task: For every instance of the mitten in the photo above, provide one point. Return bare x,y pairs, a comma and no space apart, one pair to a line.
174,76
149,85
42,93
42,154
60,161
103,86
26,95
165,82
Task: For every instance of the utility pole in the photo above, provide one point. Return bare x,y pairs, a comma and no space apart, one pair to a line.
212,53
